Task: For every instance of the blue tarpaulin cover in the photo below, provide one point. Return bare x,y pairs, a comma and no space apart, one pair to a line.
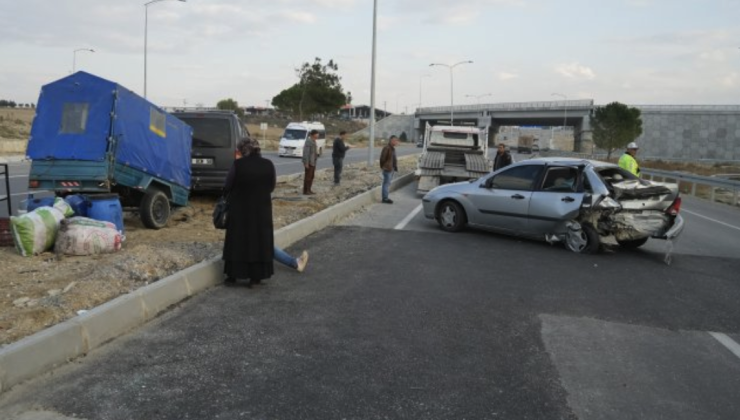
85,117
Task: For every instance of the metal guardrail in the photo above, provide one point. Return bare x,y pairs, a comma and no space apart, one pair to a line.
514,106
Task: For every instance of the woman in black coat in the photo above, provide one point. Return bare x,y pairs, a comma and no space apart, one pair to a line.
248,248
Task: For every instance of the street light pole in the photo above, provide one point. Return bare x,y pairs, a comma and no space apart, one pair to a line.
452,114
74,56
565,109
372,87
146,29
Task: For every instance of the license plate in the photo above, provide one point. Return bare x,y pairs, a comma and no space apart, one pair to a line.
202,161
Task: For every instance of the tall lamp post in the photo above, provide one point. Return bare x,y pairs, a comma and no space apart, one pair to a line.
477,97
565,109
452,114
372,87
74,57
146,28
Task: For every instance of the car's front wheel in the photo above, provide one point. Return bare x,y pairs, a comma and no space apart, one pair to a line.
632,244
582,239
451,216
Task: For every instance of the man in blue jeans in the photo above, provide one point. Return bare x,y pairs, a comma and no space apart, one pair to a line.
389,164
286,259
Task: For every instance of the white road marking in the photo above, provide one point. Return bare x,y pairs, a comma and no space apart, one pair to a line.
408,218
727,342
710,219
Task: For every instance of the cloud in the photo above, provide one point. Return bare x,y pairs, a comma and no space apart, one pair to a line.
507,75
296,16
576,71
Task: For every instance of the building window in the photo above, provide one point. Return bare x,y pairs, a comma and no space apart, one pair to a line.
74,118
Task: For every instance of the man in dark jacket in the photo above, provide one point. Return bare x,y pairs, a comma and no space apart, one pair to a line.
389,164
338,151
503,158
310,155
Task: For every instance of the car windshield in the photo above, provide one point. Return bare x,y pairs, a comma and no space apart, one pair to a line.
209,132
293,134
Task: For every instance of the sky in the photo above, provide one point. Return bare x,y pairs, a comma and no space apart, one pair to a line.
638,52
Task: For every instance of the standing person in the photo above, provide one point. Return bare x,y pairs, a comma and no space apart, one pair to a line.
338,151
628,161
503,158
388,164
249,244
310,155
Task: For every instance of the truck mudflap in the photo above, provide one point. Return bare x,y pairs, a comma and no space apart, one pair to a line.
432,160
477,163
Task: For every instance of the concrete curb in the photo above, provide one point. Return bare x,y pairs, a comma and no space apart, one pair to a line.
50,348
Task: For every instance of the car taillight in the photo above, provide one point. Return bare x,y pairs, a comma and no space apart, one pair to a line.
675,207
33,184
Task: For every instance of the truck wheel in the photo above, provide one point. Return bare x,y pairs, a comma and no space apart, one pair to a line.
155,209
583,240
451,216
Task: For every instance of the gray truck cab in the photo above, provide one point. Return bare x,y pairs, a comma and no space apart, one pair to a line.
215,134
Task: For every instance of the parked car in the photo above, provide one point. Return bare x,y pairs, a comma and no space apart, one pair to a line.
215,135
576,202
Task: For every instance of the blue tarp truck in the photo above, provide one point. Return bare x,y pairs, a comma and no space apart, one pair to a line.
91,135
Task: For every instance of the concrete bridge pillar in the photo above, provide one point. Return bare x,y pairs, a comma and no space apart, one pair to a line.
584,139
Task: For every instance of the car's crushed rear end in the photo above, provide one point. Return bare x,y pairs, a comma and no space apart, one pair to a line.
635,210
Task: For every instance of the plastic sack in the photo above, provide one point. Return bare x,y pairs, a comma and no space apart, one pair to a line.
63,207
35,232
85,236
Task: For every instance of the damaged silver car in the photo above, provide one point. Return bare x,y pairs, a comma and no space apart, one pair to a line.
573,201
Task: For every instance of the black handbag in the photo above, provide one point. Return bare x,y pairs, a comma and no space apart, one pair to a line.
221,212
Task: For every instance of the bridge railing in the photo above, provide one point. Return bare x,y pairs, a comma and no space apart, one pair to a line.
512,106
690,108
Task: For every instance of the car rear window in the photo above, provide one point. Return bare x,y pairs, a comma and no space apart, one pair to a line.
210,132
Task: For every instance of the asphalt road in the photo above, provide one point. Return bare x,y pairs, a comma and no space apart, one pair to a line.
395,319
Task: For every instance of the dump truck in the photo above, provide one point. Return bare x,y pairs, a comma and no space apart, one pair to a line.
452,154
91,135
524,143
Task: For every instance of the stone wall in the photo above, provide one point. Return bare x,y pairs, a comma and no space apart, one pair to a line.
690,135
390,125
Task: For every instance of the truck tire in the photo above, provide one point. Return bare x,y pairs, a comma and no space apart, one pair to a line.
155,209
451,216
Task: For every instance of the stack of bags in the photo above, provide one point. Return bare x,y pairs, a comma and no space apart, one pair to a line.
47,227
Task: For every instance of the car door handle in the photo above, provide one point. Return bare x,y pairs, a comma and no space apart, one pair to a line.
517,197
568,199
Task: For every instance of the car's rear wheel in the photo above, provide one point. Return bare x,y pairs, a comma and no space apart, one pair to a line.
451,216
632,244
582,239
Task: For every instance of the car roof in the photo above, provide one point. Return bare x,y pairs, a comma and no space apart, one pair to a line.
557,160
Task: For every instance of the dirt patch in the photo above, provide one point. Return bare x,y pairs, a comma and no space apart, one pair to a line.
41,291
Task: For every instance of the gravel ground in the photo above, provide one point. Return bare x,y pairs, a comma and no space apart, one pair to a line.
41,291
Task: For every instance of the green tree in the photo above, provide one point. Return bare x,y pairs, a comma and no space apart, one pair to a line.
318,91
615,125
230,105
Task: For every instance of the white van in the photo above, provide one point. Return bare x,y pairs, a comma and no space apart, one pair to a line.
295,135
